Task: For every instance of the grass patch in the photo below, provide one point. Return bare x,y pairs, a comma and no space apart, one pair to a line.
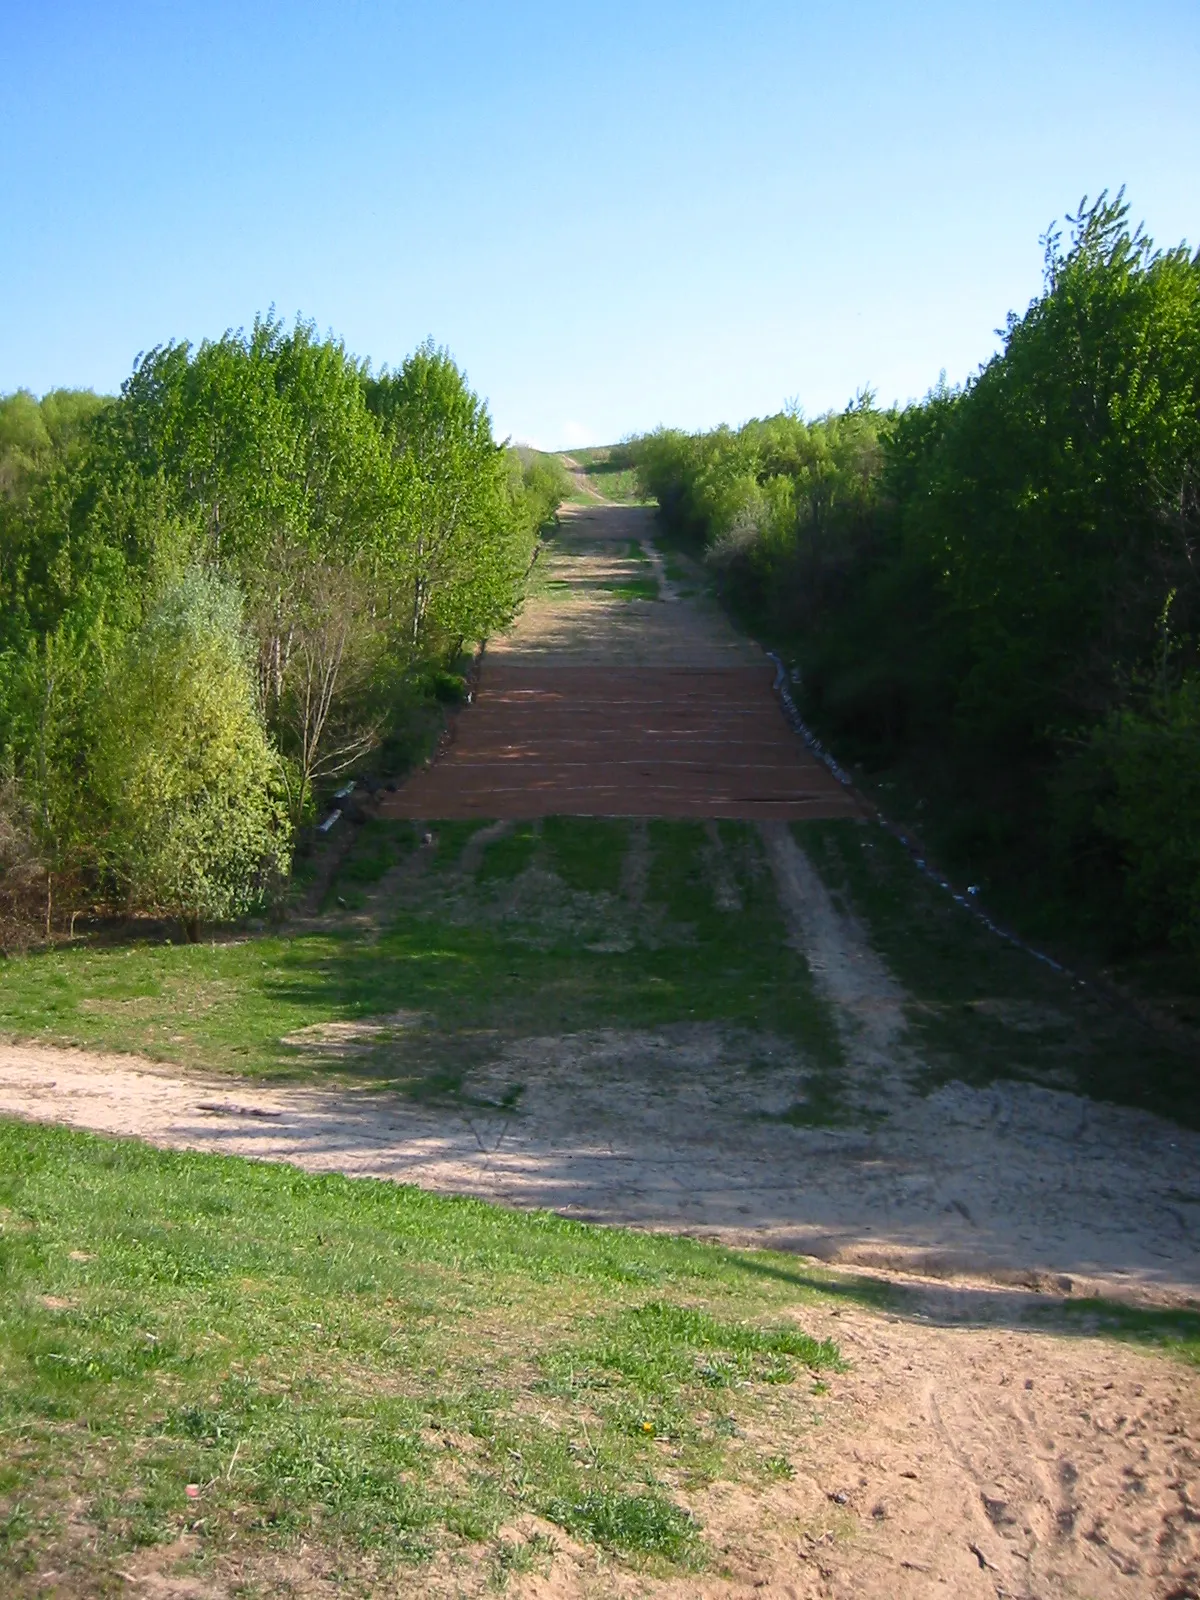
608,474
507,857
737,965
587,853
1175,1330
472,975
981,1007
378,1371
452,838
378,847
633,588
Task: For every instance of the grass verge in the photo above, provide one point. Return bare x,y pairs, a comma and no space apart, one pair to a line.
359,1375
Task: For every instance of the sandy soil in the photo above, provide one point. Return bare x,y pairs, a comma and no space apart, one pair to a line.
958,1461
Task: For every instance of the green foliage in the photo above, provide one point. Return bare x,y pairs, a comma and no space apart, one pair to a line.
468,548
192,784
371,528
33,431
541,481
975,585
1147,794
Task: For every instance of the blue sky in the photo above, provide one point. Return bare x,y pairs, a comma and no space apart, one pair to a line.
614,215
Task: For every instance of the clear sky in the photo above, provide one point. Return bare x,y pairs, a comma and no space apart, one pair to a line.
614,215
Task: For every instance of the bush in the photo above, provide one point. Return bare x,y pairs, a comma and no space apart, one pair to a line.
199,827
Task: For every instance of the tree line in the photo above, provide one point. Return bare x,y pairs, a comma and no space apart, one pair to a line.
220,591
998,588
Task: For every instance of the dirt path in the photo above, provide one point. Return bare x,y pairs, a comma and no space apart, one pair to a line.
583,484
614,696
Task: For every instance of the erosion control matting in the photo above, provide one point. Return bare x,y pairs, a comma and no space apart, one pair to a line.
623,741
605,701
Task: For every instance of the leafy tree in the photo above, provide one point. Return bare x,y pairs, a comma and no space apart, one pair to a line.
460,545
979,583
363,531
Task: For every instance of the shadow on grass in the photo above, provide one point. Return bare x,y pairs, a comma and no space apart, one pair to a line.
983,1009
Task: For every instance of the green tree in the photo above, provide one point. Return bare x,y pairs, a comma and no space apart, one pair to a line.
459,544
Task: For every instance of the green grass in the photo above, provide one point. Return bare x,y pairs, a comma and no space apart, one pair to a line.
378,847
479,970
369,1369
507,857
474,971
452,839
633,588
612,479
679,570
980,1007
1174,1330
587,853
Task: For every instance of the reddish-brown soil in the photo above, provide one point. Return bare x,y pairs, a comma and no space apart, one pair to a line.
596,704
621,741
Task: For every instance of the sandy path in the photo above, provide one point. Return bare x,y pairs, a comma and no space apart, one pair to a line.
679,1128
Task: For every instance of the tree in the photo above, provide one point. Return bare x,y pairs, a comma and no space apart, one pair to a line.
326,675
460,545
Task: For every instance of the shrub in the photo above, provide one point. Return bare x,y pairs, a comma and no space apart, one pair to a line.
199,822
